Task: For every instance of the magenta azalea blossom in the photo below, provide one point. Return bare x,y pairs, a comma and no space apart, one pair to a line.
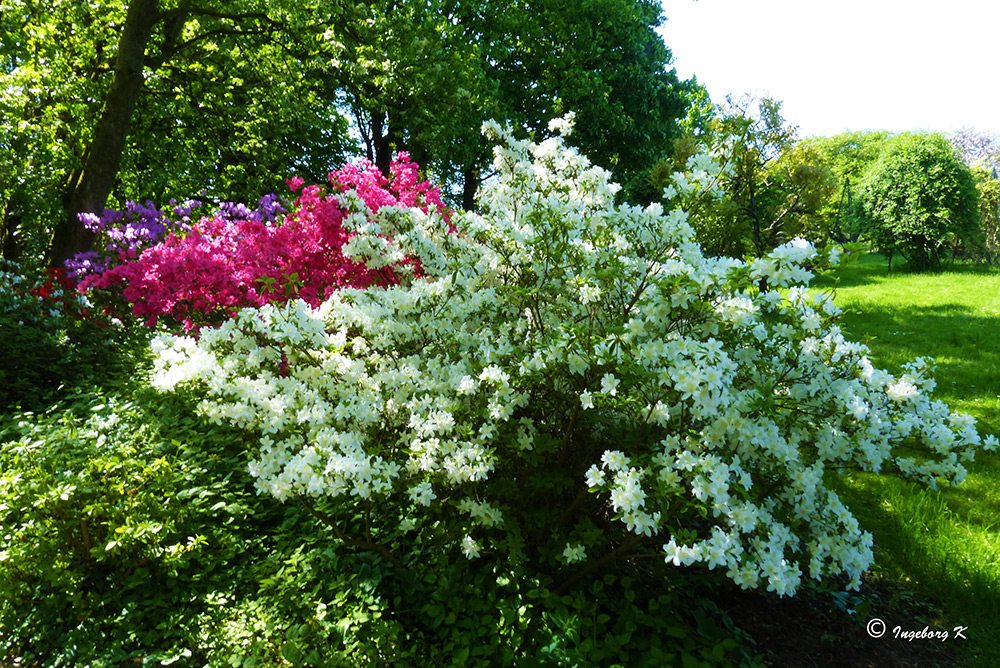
202,274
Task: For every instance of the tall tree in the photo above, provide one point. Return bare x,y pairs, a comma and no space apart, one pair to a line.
54,65
412,77
90,184
769,191
981,151
988,187
136,99
848,156
921,197
758,135
128,100
775,192
454,63
603,60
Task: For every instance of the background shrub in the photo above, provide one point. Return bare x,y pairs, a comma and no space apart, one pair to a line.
921,199
52,338
120,517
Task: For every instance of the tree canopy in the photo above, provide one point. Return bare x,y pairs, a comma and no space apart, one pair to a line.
117,100
920,197
770,189
113,100
847,156
453,65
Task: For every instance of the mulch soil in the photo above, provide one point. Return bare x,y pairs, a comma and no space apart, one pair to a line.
814,629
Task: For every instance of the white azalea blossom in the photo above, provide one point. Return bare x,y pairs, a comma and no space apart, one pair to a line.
574,553
470,548
727,392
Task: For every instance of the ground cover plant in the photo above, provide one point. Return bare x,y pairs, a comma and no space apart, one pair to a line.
551,439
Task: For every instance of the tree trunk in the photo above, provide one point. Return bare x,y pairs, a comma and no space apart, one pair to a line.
381,142
385,140
470,187
10,248
89,186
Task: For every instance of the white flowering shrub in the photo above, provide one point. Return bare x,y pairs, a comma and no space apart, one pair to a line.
569,382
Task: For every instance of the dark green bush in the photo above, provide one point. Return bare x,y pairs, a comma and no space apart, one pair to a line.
51,338
118,522
921,200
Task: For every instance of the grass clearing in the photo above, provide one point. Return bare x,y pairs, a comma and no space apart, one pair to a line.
944,543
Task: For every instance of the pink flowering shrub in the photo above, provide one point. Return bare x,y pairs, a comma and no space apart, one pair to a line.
220,264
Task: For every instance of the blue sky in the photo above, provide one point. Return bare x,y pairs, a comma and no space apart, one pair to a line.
842,65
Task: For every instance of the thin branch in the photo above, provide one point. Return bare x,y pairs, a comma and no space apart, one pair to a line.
564,448
619,552
216,33
571,509
229,16
379,548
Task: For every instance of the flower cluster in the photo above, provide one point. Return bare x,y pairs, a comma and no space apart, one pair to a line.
201,272
49,296
403,188
125,233
576,371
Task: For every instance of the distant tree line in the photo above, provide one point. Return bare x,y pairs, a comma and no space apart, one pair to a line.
923,197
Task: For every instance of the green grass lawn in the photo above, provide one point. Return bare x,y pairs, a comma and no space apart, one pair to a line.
944,544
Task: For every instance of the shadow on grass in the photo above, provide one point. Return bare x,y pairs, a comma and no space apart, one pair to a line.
926,328
919,545
873,269
943,545
867,269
